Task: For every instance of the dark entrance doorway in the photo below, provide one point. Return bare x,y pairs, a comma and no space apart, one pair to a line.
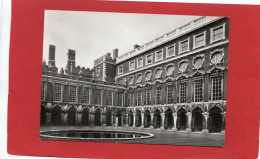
147,119
56,115
215,120
168,124
109,118
181,119
85,117
72,116
130,118
43,115
138,118
97,117
157,119
197,120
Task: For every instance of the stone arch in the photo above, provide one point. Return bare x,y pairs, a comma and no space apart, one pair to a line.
138,118
157,119
215,120
168,122
56,115
85,119
197,119
181,119
97,117
147,118
72,111
130,118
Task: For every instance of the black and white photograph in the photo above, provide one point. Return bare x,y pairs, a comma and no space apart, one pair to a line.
134,78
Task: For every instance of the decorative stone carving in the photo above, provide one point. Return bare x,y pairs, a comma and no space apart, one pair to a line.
216,56
183,65
148,75
158,72
198,61
139,78
131,80
169,69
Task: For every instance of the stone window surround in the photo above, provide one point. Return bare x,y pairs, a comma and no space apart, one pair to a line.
155,55
181,52
130,69
210,87
137,66
146,59
167,51
194,40
211,33
194,79
119,69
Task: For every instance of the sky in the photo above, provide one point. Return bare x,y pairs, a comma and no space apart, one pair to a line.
93,34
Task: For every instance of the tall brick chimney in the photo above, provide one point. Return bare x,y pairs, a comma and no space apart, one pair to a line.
71,61
51,55
115,53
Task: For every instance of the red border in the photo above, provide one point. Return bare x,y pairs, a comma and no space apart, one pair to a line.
242,122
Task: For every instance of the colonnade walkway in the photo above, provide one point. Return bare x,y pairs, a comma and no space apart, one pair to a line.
161,137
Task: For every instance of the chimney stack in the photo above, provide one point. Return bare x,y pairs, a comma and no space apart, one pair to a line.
51,55
115,53
71,60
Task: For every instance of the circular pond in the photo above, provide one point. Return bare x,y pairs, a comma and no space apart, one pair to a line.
92,135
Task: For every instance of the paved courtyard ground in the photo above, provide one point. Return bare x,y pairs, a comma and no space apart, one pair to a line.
161,137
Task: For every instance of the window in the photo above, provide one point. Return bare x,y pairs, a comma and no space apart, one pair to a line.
43,91
217,33
183,92
199,40
73,94
198,91
86,95
158,92
184,46
139,62
139,98
98,96
57,92
158,55
149,59
216,88
169,94
120,99
120,69
98,71
148,97
170,51
131,65
131,101
109,98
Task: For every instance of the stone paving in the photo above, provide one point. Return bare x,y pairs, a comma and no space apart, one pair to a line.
161,137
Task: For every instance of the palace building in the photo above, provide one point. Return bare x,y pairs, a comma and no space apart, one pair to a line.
176,82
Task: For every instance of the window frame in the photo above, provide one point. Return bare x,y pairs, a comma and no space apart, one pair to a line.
194,95
146,59
131,102
150,96
121,66
62,89
167,51
112,97
89,91
44,86
167,96
160,98
139,92
188,49
194,40
211,33
211,86
101,101
137,60
155,55
130,69
179,93
76,95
